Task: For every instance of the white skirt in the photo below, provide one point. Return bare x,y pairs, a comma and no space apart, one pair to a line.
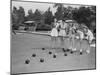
81,35
90,35
90,38
62,32
54,32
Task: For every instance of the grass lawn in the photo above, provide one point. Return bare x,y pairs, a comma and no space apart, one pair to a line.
22,48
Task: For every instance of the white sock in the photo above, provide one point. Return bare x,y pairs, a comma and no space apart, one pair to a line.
55,53
92,45
88,51
74,49
81,50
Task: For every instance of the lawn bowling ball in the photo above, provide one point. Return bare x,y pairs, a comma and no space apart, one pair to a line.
54,56
50,52
33,55
43,48
68,50
65,54
71,52
27,61
41,60
81,53
63,50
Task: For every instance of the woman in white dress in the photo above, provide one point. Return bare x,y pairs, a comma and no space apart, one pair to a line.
71,35
62,32
89,37
67,34
54,33
81,37
89,34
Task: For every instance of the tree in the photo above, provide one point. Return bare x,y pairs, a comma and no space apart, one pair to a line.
82,15
86,15
60,11
37,15
93,19
18,16
21,15
14,15
48,17
68,12
63,12
30,15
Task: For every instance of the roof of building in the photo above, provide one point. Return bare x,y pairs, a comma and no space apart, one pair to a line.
29,22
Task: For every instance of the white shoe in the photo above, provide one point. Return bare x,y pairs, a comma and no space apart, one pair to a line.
92,45
77,37
88,51
81,50
74,49
56,53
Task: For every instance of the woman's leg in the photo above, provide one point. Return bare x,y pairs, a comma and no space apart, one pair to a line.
88,47
73,43
52,41
80,46
81,39
70,42
61,41
55,42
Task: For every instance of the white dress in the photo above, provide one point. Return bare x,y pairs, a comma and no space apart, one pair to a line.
90,35
62,31
54,31
71,32
81,34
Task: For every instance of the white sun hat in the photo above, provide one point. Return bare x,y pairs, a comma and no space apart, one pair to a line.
70,21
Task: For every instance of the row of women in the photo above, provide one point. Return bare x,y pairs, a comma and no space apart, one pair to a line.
71,30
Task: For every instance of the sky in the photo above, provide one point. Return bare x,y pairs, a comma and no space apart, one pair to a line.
36,5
